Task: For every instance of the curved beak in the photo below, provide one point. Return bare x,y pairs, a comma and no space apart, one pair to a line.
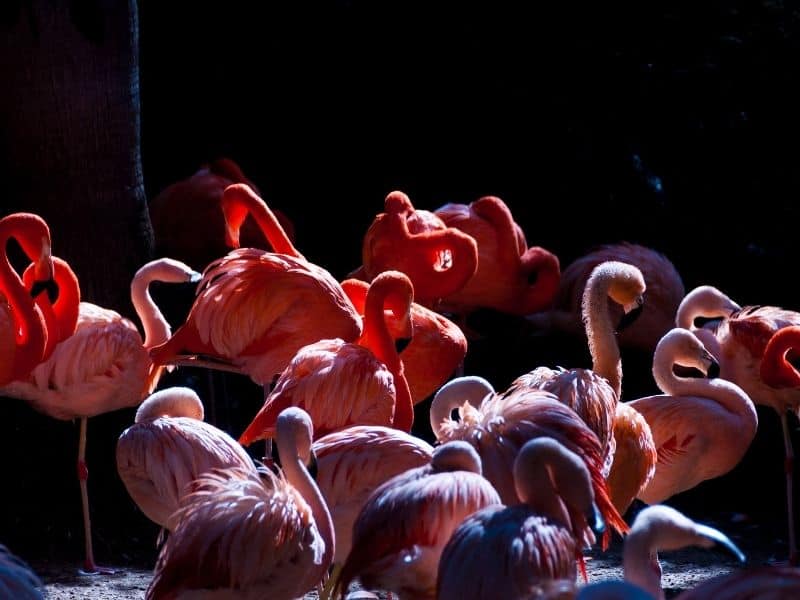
723,540
632,312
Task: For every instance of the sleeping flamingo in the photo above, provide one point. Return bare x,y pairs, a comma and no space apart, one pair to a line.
689,451
511,277
436,350
17,579
188,224
594,393
241,537
23,331
103,365
498,425
438,259
665,290
399,535
352,463
254,309
342,383
738,339
168,446
509,551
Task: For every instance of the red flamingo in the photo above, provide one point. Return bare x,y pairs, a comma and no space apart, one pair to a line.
188,224
510,551
436,350
253,310
438,259
103,365
23,331
511,277
342,383
243,537
168,446
399,535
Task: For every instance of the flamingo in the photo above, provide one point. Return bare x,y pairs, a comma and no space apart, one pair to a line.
594,393
738,337
253,309
168,446
352,463
17,579
436,350
399,535
340,383
771,582
241,537
103,365
689,451
23,331
498,425
511,277
509,551
187,220
660,527
438,259
635,457
665,290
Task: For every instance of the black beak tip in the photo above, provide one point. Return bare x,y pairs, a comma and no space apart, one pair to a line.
713,370
629,318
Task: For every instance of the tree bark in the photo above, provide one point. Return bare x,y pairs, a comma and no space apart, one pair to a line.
70,136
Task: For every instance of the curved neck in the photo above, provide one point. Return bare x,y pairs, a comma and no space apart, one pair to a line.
544,264
29,324
298,476
776,370
156,328
640,563
171,402
239,200
603,347
452,395
61,316
378,339
728,395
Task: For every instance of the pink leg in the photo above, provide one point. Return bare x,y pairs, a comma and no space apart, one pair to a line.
89,566
789,466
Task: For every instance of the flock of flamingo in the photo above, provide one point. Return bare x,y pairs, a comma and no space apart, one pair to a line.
517,484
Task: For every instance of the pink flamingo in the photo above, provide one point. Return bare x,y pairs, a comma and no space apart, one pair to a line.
511,277
103,365
665,290
509,551
241,537
635,457
708,303
689,451
399,535
341,383
438,259
253,309
594,393
436,350
23,331
352,463
498,425
17,579
187,220
168,446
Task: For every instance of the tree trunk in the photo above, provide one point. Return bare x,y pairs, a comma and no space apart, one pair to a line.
70,135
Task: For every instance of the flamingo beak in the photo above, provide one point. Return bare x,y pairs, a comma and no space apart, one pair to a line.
723,540
195,277
632,312
595,520
713,370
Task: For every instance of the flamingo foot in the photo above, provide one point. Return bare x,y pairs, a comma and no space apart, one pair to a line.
90,569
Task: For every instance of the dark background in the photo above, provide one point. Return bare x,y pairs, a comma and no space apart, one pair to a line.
668,124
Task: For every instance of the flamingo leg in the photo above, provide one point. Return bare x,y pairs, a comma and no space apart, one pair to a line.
89,566
789,467
327,589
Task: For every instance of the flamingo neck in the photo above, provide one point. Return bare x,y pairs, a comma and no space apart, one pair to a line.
61,317
297,475
156,328
453,395
31,333
639,561
242,200
776,370
378,339
600,334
